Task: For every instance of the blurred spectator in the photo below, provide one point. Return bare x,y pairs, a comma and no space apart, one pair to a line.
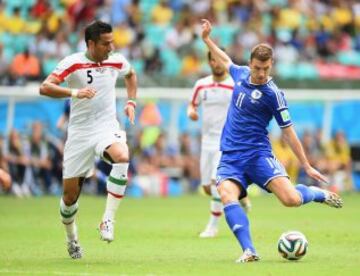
63,47
3,17
63,120
338,154
16,24
119,11
314,153
190,157
4,67
153,64
135,14
5,178
178,37
18,162
40,9
285,155
83,12
165,156
191,64
162,14
123,35
24,66
40,158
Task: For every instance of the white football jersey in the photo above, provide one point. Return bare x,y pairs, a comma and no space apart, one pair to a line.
79,71
215,98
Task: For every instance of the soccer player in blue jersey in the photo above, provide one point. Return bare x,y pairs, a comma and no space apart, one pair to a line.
246,151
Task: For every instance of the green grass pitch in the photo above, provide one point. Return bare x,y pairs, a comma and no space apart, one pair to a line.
159,236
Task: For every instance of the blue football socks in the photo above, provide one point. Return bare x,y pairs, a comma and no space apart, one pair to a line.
308,194
239,225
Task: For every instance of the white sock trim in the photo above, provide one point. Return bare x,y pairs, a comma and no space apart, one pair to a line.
119,170
68,209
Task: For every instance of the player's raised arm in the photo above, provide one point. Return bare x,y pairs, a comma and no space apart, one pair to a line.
296,146
51,87
131,87
217,53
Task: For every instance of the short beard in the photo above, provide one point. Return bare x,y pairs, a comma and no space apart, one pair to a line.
218,74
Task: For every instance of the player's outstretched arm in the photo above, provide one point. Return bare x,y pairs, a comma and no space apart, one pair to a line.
51,87
216,52
297,148
131,87
192,112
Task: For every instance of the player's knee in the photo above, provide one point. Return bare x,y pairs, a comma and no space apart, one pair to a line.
120,158
291,200
226,195
69,199
207,189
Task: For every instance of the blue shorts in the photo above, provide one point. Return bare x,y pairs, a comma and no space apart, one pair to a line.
259,169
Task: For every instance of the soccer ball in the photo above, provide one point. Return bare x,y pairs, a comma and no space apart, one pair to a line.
292,245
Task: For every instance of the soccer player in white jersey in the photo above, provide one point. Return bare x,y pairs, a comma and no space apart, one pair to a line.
214,93
93,127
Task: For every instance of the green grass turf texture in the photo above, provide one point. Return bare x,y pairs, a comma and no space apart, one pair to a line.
159,236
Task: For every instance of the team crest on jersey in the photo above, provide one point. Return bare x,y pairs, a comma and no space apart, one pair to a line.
256,94
100,69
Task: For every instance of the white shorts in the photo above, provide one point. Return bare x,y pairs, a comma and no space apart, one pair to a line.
209,162
81,149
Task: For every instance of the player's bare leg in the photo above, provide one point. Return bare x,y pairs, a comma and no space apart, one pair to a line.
293,196
216,209
118,155
68,210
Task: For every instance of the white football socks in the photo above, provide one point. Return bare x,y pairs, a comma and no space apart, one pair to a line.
116,186
68,219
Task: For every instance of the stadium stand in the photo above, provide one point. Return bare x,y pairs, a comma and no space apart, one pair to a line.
320,37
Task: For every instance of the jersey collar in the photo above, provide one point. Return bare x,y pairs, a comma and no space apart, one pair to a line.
92,60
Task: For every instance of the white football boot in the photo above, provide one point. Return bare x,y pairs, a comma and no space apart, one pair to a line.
106,229
248,256
209,232
74,249
331,199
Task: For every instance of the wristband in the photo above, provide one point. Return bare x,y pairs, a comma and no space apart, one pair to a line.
74,93
132,103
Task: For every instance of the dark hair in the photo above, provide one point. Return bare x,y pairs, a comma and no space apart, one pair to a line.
262,52
95,29
209,53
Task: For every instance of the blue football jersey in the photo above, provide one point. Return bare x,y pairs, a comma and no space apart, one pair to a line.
251,110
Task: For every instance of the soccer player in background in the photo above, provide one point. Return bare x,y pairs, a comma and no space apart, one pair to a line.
214,94
246,151
93,127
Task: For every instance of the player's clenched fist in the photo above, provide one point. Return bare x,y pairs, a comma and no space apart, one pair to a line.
86,92
192,113
206,28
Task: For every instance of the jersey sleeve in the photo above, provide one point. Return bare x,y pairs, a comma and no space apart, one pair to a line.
195,99
239,73
63,69
280,109
122,64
